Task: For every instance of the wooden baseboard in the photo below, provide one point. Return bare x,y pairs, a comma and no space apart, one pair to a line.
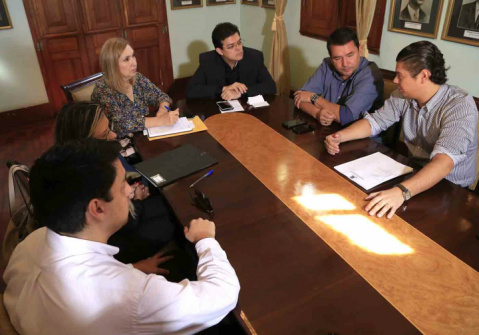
12,119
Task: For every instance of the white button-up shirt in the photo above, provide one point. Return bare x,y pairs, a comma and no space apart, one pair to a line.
63,285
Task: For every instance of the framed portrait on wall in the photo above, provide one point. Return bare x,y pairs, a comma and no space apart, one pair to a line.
5,21
267,3
250,2
219,2
183,4
461,23
415,17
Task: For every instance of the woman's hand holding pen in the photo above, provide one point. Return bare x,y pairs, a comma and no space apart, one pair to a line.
167,117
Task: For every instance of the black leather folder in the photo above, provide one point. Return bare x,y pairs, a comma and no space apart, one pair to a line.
175,164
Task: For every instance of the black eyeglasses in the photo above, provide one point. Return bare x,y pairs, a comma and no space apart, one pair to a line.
201,201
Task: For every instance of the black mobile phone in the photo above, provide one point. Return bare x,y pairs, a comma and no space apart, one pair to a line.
305,128
293,123
224,105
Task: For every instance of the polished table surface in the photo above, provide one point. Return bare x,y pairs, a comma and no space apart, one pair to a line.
292,281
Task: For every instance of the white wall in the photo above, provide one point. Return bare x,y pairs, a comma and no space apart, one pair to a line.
21,82
190,33
307,53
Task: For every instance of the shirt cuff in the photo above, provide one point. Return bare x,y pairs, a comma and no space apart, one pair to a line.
375,129
346,115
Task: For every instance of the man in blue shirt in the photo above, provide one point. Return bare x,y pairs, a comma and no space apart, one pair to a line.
345,85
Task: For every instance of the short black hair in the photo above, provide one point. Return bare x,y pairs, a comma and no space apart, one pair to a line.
341,36
76,121
222,31
67,177
424,55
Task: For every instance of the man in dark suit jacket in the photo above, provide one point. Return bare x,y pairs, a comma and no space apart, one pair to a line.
467,18
231,70
414,6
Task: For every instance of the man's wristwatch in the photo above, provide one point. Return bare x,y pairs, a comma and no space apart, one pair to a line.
405,192
313,98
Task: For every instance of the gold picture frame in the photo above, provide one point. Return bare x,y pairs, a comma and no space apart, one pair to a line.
185,4
458,26
268,4
250,2
5,20
219,2
424,24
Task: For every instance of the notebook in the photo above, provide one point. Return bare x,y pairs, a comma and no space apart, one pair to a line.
183,125
175,164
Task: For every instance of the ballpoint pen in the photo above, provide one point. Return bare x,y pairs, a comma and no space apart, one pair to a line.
201,178
167,108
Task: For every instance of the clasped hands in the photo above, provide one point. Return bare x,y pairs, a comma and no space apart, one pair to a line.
387,201
197,230
233,91
324,116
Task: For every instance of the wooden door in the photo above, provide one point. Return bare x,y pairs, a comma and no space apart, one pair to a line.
147,31
69,35
319,17
60,48
102,19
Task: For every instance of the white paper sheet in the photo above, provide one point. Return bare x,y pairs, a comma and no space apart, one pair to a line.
372,170
257,101
183,125
236,107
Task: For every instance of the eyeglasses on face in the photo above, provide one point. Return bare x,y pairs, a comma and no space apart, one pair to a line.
234,45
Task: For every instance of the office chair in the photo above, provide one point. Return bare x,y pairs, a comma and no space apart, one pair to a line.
81,90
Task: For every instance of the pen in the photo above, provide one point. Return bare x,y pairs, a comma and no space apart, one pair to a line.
201,178
167,108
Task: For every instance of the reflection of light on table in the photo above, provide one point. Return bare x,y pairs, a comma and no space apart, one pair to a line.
366,234
323,202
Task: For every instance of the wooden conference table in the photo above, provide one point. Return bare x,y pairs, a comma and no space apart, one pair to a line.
309,258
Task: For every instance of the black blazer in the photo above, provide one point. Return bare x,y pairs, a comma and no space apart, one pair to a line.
209,80
467,16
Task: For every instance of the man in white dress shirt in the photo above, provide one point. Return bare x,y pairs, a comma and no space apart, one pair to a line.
63,279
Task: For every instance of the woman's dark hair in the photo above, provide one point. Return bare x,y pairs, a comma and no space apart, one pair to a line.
342,36
221,32
76,121
67,177
424,55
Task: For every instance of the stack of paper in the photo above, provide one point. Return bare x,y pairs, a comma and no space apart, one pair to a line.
372,170
183,125
236,106
257,101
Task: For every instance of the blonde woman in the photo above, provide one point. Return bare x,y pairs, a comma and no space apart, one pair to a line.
126,94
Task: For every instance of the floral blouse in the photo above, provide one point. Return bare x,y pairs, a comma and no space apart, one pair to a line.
128,116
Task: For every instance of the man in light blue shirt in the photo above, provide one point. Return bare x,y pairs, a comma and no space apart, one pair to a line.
345,85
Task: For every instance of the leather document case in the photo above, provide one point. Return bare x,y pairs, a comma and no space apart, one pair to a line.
175,164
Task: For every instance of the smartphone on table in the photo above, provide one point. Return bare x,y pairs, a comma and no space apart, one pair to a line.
293,123
305,128
224,106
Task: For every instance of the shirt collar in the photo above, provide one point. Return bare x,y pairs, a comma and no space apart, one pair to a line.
432,103
412,11
66,246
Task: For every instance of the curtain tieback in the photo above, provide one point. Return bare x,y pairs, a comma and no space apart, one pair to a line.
276,18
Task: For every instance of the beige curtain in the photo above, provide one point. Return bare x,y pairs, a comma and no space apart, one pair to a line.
279,60
364,19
